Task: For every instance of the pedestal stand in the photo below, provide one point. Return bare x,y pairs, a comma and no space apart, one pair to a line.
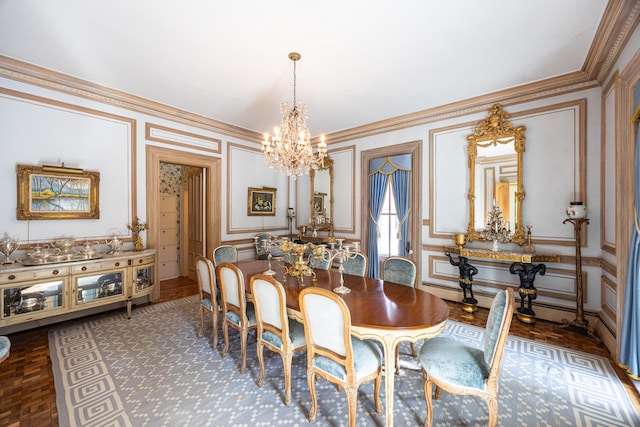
579,324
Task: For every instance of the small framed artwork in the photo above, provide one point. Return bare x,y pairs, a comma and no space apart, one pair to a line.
57,192
318,203
262,201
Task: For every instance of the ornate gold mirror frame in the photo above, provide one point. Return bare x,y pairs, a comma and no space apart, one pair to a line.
322,195
493,131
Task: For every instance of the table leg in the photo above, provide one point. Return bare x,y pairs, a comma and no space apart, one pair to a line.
389,344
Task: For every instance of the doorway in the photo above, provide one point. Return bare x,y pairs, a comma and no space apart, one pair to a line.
409,218
199,192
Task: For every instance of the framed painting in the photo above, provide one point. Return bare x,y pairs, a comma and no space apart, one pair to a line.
262,201
53,192
318,204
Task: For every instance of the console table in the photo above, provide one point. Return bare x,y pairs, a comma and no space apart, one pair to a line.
33,292
526,265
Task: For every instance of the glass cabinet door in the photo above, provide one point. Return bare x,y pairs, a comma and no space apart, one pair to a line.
99,286
32,298
143,278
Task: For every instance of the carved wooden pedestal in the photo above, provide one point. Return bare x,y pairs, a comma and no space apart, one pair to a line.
579,324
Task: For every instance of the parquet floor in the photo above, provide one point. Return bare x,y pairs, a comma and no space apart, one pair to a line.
27,393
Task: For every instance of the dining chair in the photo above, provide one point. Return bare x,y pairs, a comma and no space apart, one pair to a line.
237,312
209,296
400,270
460,368
333,353
225,253
275,330
356,266
5,348
323,263
261,252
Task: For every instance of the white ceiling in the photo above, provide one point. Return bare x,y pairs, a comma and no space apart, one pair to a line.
362,61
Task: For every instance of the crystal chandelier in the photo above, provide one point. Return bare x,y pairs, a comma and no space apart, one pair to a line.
290,150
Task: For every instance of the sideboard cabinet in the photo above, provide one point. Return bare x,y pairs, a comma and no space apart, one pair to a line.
35,292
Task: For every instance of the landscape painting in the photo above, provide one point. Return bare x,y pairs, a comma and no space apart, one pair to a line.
57,193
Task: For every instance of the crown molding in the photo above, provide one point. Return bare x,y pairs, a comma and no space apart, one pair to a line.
619,21
32,74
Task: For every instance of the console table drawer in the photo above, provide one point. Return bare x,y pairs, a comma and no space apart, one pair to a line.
21,276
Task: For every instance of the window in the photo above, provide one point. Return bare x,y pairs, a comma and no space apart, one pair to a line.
388,226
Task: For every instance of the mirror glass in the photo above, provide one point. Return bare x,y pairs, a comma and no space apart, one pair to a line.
322,195
495,162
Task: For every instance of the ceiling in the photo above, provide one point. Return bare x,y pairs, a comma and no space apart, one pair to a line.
362,61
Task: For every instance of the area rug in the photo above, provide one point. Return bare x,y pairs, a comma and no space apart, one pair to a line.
152,370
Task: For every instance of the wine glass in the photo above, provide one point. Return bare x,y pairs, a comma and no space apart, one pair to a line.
8,246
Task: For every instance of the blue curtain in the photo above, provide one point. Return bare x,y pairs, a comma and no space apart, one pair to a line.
630,342
400,181
377,188
379,172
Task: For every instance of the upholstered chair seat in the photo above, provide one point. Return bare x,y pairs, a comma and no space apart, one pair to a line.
210,301
275,330
238,314
5,348
403,271
333,353
356,266
460,368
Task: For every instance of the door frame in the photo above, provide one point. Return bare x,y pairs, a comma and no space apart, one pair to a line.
415,224
212,197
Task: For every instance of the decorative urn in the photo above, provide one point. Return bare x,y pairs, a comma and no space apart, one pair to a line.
576,210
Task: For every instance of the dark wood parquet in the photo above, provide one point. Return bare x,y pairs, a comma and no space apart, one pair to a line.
27,393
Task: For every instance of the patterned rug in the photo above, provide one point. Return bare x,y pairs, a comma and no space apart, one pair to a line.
151,370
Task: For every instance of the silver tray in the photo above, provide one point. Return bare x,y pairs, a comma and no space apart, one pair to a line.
31,262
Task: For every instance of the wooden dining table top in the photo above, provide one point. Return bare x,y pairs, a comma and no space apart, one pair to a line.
373,303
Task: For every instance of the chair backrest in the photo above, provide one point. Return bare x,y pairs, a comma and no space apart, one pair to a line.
206,278
327,324
270,301
232,288
356,266
225,253
400,270
258,243
497,329
321,264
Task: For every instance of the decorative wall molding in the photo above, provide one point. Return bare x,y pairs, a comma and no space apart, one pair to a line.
180,138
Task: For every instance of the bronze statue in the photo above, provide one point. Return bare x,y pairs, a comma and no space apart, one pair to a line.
527,273
467,271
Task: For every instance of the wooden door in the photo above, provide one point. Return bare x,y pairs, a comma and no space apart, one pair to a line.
195,214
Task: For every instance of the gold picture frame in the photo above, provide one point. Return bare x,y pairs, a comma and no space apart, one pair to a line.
261,201
57,192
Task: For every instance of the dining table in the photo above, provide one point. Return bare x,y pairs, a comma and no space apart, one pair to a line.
387,312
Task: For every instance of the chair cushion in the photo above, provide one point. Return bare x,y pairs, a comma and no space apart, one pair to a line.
206,303
296,335
452,361
367,358
5,346
235,319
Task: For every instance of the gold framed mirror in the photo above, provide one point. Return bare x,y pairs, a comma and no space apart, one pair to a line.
321,180
495,174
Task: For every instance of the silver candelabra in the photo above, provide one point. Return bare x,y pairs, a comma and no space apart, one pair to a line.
267,244
342,253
